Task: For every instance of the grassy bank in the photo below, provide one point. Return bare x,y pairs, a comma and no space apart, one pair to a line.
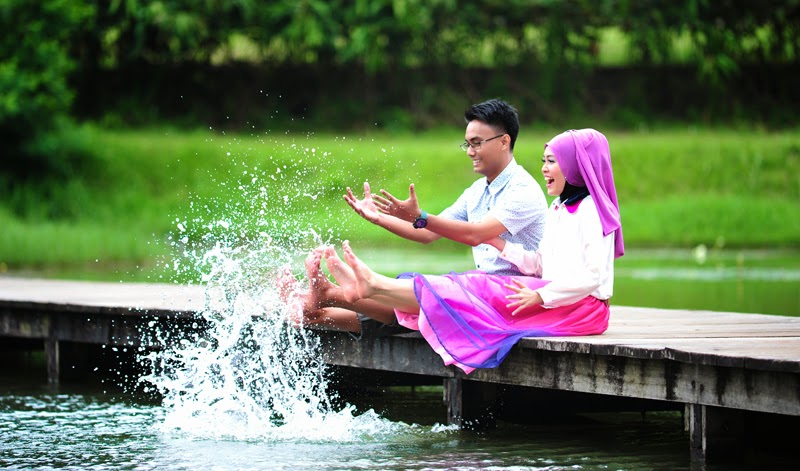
677,188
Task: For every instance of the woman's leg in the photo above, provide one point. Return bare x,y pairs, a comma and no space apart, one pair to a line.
358,281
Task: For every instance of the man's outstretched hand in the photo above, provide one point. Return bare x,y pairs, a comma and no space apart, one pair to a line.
407,210
365,207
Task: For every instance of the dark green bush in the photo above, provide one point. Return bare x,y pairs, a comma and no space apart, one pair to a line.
35,94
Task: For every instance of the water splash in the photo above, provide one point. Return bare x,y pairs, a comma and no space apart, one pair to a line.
250,374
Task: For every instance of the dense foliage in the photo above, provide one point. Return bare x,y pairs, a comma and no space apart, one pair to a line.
405,63
379,35
35,95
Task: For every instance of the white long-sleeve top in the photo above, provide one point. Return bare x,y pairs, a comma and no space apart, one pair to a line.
573,254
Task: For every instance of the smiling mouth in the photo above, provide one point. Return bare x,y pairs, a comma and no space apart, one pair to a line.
549,180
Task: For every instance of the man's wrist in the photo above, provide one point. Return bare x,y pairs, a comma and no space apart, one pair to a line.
420,221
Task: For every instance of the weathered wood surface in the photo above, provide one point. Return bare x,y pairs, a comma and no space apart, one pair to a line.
673,355
94,296
712,338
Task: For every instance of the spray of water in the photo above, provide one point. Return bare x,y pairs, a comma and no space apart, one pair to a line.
250,374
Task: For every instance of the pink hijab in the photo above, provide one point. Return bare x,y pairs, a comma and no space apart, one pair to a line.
585,159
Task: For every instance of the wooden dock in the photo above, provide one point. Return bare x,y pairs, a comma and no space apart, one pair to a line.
726,371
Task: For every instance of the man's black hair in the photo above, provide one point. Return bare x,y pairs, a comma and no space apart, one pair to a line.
498,114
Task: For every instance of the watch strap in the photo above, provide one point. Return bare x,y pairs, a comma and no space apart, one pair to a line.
421,220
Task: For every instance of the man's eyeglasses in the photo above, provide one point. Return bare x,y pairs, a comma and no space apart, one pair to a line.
477,145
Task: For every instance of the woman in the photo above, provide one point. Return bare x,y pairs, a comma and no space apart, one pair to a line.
473,319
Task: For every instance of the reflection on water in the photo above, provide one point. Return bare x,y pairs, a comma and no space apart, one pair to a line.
79,428
762,282
711,274
90,430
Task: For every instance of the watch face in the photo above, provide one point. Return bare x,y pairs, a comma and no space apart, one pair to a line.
419,223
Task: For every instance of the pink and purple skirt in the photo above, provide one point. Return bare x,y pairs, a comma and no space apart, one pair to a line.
464,317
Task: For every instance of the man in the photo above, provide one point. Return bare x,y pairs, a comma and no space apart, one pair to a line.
507,202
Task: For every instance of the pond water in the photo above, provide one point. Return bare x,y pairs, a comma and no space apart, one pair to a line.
78,427
752,281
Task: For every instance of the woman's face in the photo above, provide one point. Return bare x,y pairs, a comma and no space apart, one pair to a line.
553,177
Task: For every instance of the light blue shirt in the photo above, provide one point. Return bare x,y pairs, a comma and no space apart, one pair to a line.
513,198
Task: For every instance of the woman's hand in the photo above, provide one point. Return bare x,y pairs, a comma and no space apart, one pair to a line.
524,297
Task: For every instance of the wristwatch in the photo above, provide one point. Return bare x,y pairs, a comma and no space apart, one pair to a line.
421,221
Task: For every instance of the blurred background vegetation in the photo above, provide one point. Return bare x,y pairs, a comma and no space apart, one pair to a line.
116,116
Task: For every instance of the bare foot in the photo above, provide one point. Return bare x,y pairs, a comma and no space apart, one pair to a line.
319,286
343,274
321,292
286,285
289,293
364,276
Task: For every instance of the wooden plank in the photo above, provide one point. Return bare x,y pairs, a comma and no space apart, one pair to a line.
133,296
651,312
699,332
707,337
661,378
772,354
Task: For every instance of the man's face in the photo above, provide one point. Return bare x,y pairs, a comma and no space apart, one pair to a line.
489,149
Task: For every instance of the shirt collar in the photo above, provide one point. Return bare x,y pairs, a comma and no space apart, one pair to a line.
505,176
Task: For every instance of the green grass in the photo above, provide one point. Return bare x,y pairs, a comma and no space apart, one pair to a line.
677,188
713,220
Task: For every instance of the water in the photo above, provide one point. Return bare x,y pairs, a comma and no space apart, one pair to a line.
83,428
77,428
751,281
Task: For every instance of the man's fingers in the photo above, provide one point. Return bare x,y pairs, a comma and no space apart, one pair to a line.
352,204
388,196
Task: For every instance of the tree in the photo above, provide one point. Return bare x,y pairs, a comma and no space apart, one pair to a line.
35,94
